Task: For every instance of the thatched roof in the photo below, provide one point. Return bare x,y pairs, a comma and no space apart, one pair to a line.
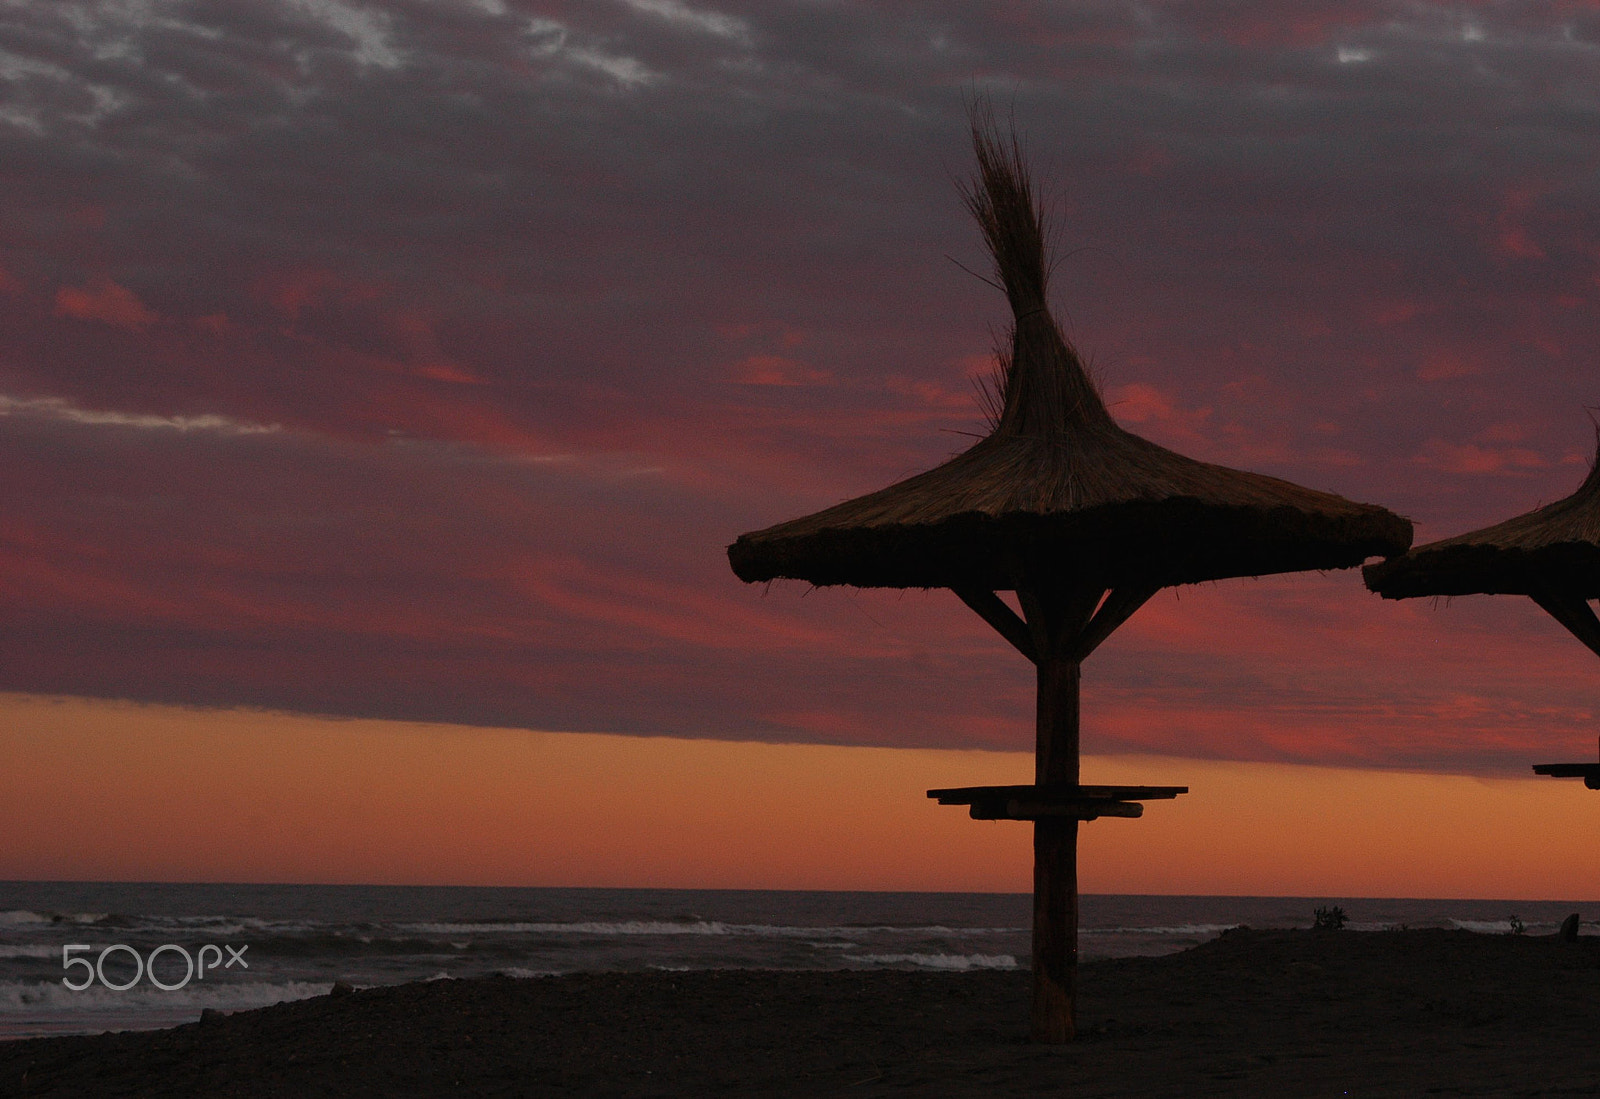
1550,550
1058,485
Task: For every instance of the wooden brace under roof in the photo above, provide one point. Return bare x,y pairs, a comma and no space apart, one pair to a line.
1031,635
1573,613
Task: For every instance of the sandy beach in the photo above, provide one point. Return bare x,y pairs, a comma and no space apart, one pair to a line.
1282,1013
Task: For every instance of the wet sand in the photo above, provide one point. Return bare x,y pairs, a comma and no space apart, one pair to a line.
1254,1013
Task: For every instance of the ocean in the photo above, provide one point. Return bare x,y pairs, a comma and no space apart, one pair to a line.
84,957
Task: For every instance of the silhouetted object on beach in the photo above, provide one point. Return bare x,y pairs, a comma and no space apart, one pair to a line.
1084,522
1569,929
1550,554
1330,918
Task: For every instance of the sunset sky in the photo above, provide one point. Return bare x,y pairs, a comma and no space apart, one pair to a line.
381,384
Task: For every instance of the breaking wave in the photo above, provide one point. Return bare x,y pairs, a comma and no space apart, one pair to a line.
952,962
44,996
686,927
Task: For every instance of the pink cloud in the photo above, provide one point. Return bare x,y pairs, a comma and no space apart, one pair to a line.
777,370
1311,26
935,394
1513,238
1140,404
105,301
447,372
1443,365
1395,312
1504,432
294,292
1473,458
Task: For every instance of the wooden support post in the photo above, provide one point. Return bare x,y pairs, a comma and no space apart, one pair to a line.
1055,853
1061,624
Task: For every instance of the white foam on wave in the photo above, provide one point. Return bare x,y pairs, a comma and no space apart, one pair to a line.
622,927
954,962
216,925
230,925
22,917
1496,927
52,996
1176,929
684,927
227,926
29,950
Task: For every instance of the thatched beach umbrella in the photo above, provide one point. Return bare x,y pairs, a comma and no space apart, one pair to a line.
1550,554
1084,522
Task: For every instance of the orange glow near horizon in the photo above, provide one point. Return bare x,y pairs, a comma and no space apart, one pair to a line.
116,791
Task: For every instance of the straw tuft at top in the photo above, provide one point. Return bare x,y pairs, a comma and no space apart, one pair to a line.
1046,389
1002,200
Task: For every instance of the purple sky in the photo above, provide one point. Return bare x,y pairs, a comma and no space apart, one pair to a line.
419,359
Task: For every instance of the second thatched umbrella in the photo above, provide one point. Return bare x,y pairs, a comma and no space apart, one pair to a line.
1084,522
1550,554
